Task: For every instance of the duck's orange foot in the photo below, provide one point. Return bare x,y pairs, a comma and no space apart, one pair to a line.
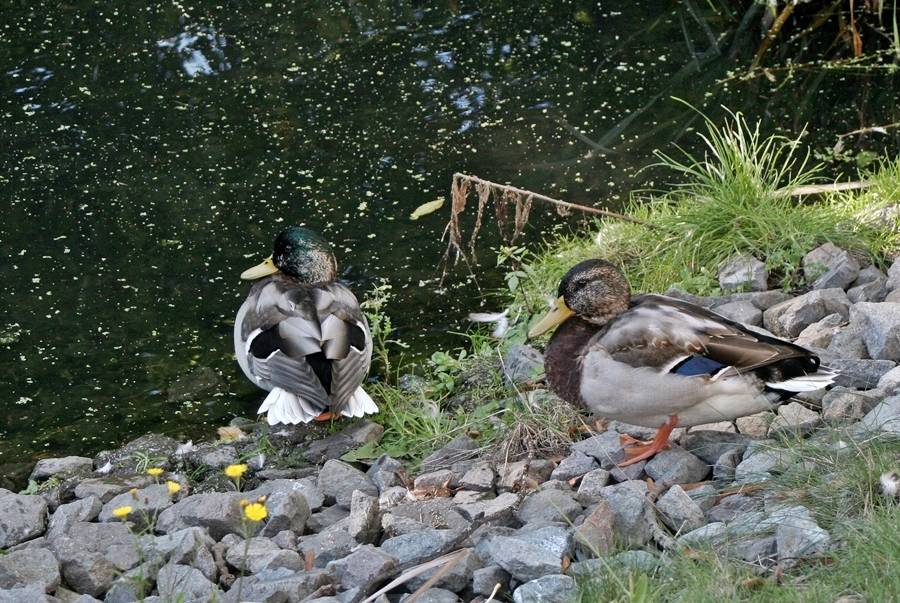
644,450
327,416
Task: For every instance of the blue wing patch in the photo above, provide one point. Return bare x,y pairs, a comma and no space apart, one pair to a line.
698,365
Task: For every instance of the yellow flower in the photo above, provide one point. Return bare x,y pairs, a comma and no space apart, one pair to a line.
173,486
121,512
235,471
155,471
255,512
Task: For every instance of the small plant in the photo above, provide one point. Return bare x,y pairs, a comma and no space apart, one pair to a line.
253,514
235,472
380,325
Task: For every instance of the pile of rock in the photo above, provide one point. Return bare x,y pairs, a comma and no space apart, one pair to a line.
338,531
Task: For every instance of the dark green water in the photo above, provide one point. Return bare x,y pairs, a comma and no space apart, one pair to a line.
151,152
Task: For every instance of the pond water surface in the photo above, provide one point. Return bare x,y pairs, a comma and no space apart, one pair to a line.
152,151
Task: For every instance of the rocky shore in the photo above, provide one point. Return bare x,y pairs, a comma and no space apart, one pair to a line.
104,529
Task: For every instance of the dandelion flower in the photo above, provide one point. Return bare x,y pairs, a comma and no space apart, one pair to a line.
155,471
235,471
173,486
122,512
255,512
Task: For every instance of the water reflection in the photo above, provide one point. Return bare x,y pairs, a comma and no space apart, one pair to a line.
149,150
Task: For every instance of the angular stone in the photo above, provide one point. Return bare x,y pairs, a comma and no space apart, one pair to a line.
218,512
514,475
590,490
261,554
384,472
860,374
549,505
819,334
676,465
555,588
69,514
457,455
843,404
47,468
523,560
365,519
106,488
146,504
457,578
22,518
596,535
575,465
709,446
416,545
794,419
743,271
287,510
356,569
879,326
522,362
679,511
627,503
743,312
789,318
480,478
30,566
174,581
338,480
279,585
326,546
831,267
797,535
333,447
484,580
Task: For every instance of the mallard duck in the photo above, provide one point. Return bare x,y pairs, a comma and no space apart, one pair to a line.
303,336
659,362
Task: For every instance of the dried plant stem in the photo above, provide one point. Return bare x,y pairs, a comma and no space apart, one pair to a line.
506,189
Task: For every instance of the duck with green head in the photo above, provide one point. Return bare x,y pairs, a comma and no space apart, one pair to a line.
302,335
658,362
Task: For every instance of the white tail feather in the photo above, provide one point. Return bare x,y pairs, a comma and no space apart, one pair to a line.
807,383
284,407
359,404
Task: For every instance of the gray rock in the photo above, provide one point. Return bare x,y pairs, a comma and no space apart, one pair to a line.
71,465
457,578
843,404
337,480
503,504
831,266
575,465
590,490
709,446
522,362
890,381
480,478
556,538
677,466
356,569
146,504
326,546
174,581
106,488
794,419
287,510
218,512
879,327
457,455
846,343
416,545
433,595
485,578
627,503
868,292
549,505
384,472
364,524
513,475
85,571
30,566
860,374
885,418
758,466
22,518
86,509
523,560
732,507
439,513
789,318
679,511
797,535
596,536
555,588
743,271
326,518
819,334
190,546
279,585
743,312
333,447
442,478
604,448
260,554
33,593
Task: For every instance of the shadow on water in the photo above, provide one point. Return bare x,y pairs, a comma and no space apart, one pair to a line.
152,152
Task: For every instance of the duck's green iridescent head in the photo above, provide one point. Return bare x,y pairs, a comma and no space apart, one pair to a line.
301,253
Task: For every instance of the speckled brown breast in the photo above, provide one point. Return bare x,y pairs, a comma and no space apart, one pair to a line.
563,358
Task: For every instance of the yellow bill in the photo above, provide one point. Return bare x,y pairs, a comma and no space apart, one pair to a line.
260,270
559,311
